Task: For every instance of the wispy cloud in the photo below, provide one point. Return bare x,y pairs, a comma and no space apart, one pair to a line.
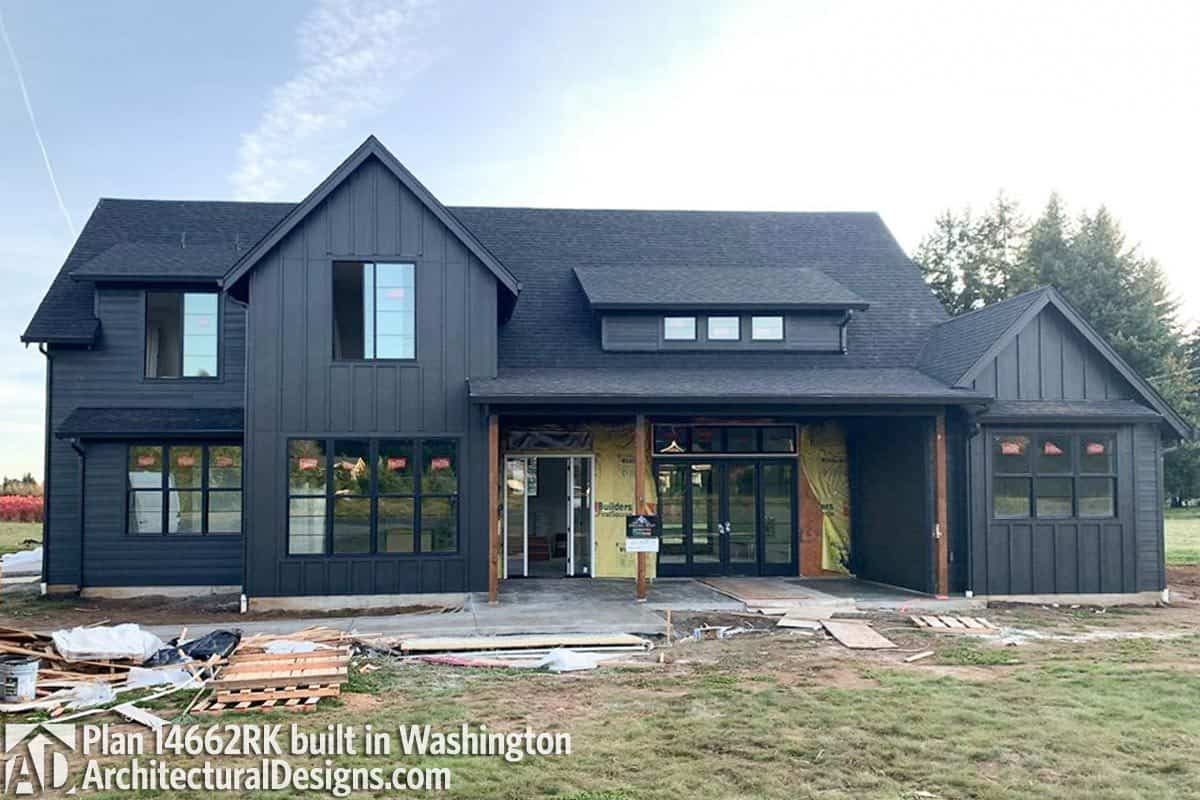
37,133
356,57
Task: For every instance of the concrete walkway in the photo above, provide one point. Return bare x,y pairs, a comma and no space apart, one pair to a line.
526,606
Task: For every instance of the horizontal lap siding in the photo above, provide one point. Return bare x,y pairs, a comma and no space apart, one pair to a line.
114,558
112,375
296,389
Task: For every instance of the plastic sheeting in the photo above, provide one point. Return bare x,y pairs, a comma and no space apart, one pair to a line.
106,643
26,562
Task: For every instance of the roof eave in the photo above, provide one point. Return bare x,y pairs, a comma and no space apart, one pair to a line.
727,306
772,399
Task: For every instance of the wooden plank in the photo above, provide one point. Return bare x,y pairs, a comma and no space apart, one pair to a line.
951,622
970,623
941,509
239,695
493,509
934,622
322,655
856,635
257,667
267,682
433,644
918,656
984,623
919,622
140,716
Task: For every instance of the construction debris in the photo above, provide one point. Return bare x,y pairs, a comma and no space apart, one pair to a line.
465,644
106,643
856,635
918,656
254,678
802,623
944,623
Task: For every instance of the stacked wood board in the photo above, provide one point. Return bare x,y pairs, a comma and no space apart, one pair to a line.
255,679
956,624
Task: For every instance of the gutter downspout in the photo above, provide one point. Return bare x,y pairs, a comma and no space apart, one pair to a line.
45,351
78,447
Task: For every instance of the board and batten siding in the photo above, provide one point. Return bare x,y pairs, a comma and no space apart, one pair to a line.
296,389
112,374
1051,360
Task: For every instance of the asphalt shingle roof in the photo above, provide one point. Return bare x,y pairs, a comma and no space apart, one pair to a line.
178,261
782,385
957,344
553,326
65,313
124,422
1089,410
700,288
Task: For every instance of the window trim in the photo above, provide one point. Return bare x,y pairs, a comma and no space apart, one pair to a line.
164,490
373,442
220,376
363,260
695,329
782,337
1074,475
759,451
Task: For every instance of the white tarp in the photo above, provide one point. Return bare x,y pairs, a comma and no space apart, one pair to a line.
26,562
106,642
288,646
140,677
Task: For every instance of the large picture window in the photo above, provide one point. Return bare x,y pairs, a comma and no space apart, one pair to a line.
374,310
1052,475
349,496
184,489
181,334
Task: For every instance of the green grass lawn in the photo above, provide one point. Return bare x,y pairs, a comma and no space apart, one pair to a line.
793,717
1183,536
14,534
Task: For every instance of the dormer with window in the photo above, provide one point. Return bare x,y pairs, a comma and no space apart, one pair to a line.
714,309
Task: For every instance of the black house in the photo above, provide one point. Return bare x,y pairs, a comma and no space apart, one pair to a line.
370,394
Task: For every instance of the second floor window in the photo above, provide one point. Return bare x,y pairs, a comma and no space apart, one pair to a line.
181,334
374,310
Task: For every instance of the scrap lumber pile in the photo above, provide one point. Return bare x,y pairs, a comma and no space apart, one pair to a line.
55,671
292,671
947,624
565,652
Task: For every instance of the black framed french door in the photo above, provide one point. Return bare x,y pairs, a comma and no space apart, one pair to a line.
727,517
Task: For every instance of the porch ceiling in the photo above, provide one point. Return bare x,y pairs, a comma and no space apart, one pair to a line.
806,386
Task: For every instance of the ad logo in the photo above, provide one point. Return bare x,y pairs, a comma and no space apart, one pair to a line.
34,760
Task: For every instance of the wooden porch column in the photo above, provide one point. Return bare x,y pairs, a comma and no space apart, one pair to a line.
493,472
639,494
941,531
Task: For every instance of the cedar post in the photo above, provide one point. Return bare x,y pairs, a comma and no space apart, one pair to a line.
493,509
639,494
941,511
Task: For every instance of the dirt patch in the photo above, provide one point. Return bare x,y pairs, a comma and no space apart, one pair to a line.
963,673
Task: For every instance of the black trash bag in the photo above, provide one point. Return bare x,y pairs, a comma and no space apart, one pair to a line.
217,643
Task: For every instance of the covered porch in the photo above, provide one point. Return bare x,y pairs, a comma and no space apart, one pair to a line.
763,484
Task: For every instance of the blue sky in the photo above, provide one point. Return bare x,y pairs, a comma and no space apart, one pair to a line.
903,108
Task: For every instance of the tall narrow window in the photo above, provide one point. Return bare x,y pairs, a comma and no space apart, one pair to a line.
374,310
181,334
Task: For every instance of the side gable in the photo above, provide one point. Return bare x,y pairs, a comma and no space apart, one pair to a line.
1037,347
372,148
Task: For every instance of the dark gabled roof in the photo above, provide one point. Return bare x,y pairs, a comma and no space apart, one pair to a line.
699,288
65,313
958,344
371,148
553,324
960,348
122,423
795,386
152,261
1082,411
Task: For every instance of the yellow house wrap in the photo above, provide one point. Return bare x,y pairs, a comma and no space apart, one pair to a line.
823,459
613,497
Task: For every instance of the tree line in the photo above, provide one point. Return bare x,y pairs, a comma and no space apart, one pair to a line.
971,260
